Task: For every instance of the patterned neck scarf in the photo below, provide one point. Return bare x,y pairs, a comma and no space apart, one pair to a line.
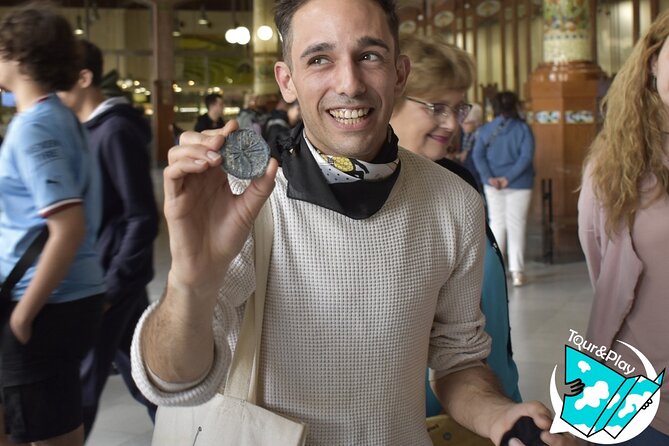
341,169
313,179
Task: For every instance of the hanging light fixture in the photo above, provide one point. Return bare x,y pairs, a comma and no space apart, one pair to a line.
176,32
265,32
243,35
96,14
79,30
231,35
237,34
203,20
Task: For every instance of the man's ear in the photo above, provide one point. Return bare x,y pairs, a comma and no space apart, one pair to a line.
402,68
85,78
284,78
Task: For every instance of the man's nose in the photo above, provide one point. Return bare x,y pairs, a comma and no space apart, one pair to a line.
349,79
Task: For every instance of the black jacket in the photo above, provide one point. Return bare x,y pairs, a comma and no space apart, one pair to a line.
120,136
204,122
276,127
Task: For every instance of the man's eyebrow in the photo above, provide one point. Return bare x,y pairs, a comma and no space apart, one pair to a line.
367,41
317,48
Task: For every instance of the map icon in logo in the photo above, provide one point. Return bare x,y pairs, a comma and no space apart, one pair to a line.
604,406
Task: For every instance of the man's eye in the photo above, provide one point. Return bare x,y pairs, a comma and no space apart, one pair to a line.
442,109
373,57
318,61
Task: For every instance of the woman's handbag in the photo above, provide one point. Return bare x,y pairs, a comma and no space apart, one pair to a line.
232,418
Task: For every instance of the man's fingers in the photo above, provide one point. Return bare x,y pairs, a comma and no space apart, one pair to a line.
564,439
228,128
174,174
265,183
516,442
213,141
541,415
260,189
194,152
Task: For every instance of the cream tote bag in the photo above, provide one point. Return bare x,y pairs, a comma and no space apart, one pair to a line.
232,418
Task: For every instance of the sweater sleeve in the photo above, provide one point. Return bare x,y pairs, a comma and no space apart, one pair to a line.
479,156
458,339
238,286
126,161
588,227
524,160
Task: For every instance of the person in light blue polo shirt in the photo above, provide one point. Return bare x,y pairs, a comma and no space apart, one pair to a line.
46,168
47,177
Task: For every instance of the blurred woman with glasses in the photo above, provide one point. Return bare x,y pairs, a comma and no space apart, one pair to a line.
503,157
426,120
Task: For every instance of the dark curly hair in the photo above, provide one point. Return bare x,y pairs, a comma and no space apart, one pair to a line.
506,104
43,44
92,60
284,10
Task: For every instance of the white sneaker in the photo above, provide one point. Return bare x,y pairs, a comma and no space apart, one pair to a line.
517,278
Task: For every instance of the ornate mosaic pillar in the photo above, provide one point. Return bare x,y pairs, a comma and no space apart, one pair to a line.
563,108
566,30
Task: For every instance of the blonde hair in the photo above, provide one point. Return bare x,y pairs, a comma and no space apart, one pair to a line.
629,147
435,66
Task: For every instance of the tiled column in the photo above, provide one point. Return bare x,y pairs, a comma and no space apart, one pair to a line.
564,97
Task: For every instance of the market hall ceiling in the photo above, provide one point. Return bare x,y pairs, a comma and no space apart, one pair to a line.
210,5
484,7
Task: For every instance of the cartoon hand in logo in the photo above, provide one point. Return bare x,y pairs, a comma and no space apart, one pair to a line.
575,387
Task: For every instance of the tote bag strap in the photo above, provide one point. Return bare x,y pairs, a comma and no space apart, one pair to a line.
243,375
495,133
26,260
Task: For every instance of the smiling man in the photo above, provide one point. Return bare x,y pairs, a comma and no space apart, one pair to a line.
376,263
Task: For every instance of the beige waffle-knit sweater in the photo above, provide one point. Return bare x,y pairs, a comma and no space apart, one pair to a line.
356,309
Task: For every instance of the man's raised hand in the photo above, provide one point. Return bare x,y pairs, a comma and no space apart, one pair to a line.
207,223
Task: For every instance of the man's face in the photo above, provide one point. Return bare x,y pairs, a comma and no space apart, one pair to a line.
345,75
9,70
216,109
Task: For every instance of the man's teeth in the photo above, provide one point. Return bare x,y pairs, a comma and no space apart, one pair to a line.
346,114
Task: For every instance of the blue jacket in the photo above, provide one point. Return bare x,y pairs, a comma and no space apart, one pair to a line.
508,155
119,136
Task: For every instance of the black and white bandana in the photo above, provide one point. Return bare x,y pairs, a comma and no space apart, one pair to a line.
357,192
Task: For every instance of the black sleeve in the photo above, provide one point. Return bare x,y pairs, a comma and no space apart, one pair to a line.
460,171
127,162
201,123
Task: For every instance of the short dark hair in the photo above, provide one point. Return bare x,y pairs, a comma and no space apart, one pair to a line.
92,61
284,10
506,104
211,99
43,44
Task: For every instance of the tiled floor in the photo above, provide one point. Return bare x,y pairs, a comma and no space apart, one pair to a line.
556,299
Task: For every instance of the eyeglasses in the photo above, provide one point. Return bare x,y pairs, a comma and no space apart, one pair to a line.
445,111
